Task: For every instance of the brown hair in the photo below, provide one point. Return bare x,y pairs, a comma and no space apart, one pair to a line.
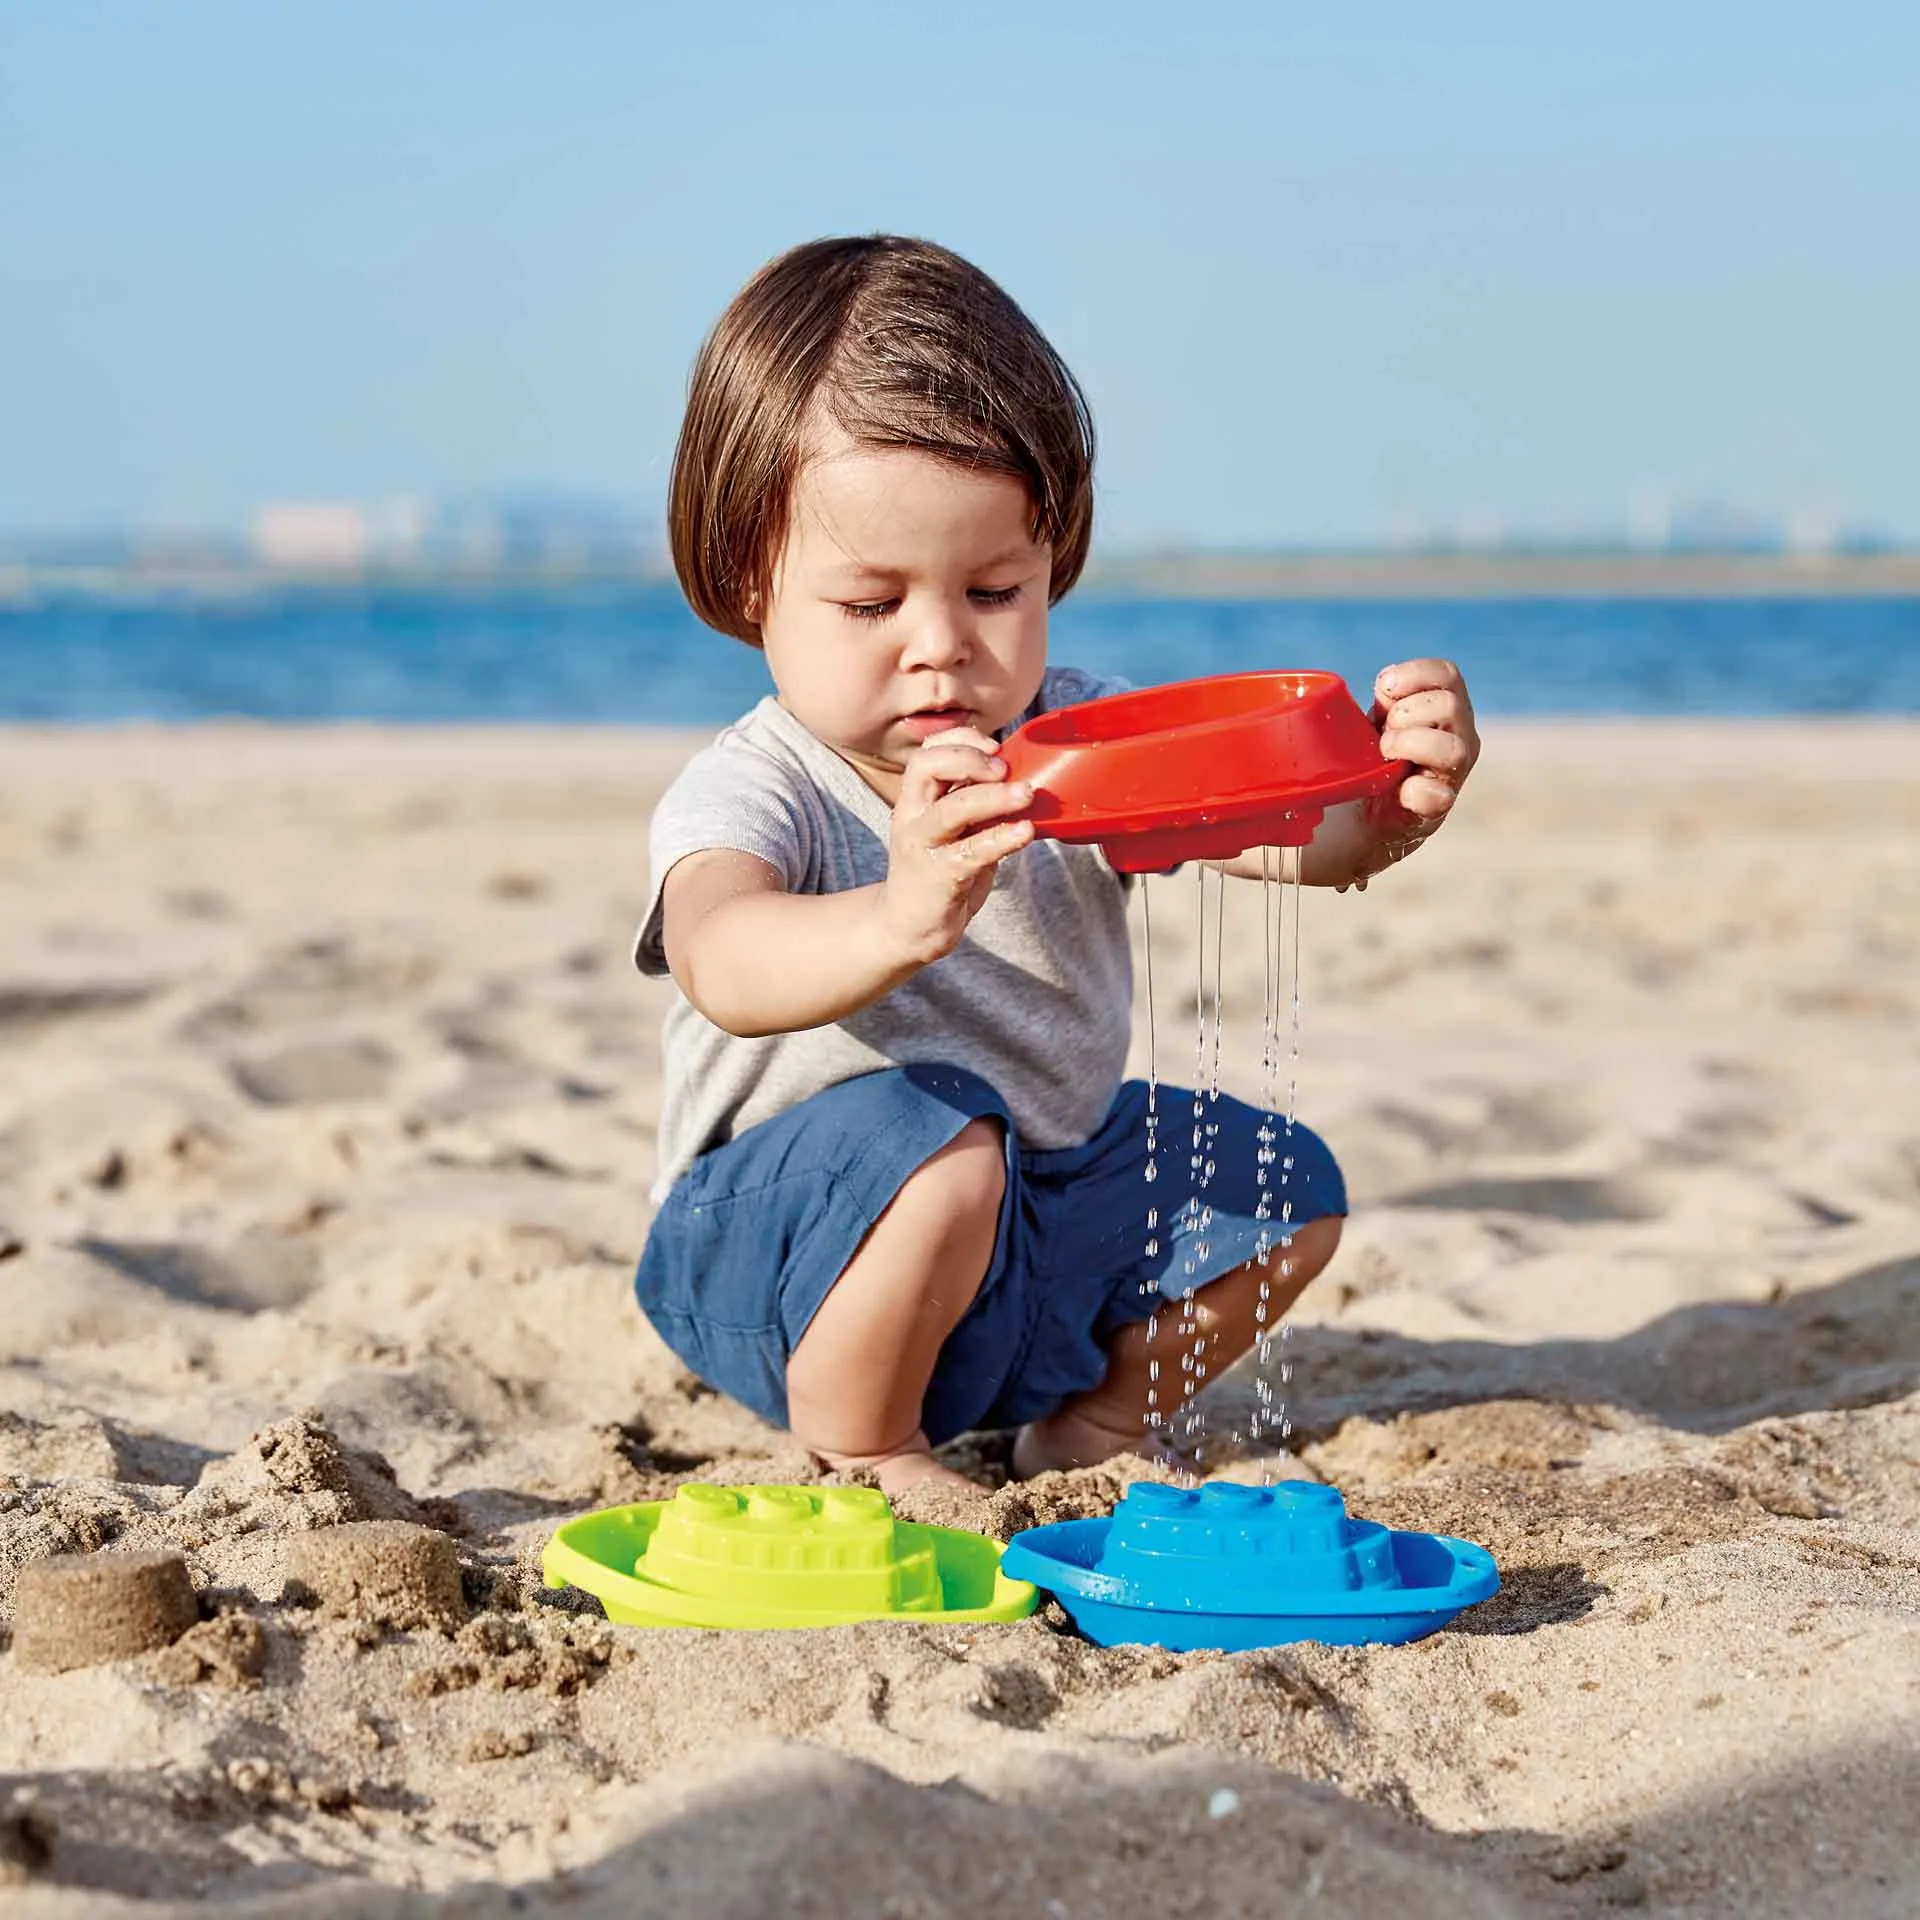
906,345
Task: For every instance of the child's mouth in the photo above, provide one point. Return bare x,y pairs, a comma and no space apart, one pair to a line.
932,720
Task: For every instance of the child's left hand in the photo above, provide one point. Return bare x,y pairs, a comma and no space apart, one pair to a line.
1425,718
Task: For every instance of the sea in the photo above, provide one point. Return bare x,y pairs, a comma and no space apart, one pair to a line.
633,653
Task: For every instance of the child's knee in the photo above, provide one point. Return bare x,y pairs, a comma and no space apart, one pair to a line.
1306,1254
937,1233
1234,1306
1314,1244
965,1182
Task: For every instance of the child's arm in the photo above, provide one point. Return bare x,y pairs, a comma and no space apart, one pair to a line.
1426,719
758,960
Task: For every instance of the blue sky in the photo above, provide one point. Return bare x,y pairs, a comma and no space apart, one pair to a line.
1328,274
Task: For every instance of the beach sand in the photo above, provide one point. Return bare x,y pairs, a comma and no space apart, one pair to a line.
327,1101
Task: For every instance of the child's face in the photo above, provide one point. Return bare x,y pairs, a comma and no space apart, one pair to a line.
911,597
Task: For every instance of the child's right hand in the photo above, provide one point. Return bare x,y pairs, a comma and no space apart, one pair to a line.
952,826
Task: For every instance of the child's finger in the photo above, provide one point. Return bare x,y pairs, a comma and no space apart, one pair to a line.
1428,748
963,737
956,761
1426,796
928,773
1434,708
975,852
1415,676
960,811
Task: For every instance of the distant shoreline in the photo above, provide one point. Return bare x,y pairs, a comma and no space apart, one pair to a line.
1513,576
1170,576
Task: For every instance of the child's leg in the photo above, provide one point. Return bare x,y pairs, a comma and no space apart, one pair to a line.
1111,1417
858,1377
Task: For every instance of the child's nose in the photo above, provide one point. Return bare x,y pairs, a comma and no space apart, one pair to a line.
941,637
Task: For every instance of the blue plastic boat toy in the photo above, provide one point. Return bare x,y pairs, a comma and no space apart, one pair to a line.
1235,1567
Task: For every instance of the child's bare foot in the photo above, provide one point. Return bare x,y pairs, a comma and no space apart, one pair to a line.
1069,1439
896,1472
906,1470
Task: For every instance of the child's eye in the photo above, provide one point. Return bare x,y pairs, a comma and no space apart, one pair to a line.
880,609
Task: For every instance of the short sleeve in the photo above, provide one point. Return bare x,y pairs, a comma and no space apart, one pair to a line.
1071,686
728,795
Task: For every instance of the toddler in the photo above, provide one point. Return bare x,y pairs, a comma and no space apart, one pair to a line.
902,1182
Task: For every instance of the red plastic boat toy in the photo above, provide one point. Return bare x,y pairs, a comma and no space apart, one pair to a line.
1199,769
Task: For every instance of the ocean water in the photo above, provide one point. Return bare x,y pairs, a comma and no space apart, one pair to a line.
634,654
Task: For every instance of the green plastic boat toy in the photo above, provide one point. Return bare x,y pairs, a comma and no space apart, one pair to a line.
779,1557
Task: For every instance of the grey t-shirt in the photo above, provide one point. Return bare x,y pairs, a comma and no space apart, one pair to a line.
1036,999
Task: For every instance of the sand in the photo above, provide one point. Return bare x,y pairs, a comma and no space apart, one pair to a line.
326,1113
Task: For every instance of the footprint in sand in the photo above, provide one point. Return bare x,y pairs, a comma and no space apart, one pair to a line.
197,903
23,1004
1466,1119
1576,1201
257,1272
317,980
316,1073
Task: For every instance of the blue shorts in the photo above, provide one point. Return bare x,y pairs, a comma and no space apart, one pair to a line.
753,1236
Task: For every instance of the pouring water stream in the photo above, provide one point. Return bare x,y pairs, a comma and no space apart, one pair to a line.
1281,933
